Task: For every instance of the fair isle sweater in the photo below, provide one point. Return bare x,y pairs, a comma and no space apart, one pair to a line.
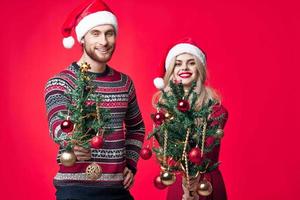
121,147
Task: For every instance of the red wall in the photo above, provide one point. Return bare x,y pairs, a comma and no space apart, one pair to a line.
252,51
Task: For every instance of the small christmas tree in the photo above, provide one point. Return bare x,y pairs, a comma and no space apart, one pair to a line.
86,122
183,134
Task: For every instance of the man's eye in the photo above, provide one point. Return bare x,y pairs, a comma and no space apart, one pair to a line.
95,33
110,33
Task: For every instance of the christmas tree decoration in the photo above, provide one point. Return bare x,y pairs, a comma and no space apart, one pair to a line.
158,118
183,105
209,141
93,171
168,116
146,153
67,126
205,188
158,183
167,178
97,142
185,165
84,68
195,156
68,158
203,137
219,133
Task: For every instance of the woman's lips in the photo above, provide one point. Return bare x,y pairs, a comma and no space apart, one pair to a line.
185,74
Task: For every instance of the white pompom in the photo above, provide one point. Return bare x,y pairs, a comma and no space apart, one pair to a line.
159,83
68,42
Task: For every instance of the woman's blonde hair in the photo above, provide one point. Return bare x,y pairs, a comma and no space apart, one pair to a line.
205,92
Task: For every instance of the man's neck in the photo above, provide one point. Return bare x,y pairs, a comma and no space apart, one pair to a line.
96,67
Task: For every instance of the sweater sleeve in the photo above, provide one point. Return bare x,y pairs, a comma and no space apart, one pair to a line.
135,130
219,116
56,101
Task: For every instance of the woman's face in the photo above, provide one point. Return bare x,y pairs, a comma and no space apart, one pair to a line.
185,69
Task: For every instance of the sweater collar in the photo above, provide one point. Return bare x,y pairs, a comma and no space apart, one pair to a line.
96,74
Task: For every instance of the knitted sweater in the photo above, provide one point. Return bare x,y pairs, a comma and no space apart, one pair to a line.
121,147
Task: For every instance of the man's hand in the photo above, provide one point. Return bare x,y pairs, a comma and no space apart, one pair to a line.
82,153
128,178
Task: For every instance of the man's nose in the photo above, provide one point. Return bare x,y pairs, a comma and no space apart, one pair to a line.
102,40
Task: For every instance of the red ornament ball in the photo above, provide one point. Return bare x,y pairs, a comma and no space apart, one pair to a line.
146,153
195,156
97,142
209,141
183,105
158,118
67,126
158,184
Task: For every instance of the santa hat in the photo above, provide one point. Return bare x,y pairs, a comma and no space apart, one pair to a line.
89,14
184,46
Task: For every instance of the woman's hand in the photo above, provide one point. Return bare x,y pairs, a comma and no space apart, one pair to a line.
189,193
82,153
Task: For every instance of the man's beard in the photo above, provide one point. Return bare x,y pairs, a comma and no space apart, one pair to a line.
93,55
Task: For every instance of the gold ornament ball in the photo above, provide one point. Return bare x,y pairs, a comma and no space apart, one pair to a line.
68,158
93,171
167,178
220,133
204,188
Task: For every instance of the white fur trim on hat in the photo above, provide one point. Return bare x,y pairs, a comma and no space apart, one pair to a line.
68,42
159,83
184,48
93,20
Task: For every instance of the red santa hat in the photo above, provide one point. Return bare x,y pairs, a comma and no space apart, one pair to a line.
89,14
186,45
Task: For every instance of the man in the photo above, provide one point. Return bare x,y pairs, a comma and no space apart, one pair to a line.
96,28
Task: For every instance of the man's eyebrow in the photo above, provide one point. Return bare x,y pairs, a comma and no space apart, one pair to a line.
92,31
109,30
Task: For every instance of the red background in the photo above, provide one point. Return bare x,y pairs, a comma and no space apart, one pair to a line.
252,51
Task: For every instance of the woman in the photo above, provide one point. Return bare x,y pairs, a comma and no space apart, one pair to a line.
186,63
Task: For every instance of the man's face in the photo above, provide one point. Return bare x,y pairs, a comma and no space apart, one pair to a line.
99,43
